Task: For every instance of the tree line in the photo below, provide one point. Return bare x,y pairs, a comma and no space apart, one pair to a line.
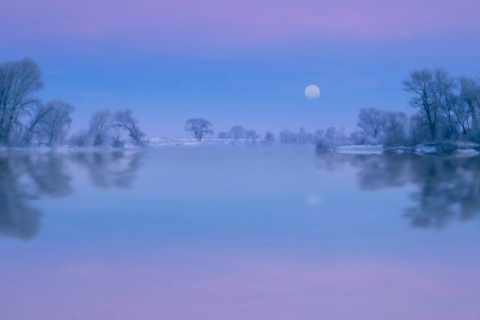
26,121
200,128
446,109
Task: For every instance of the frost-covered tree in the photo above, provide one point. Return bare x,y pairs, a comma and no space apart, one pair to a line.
223,135
19,83
421,84
394,128
340,137
80,139
269,137
53,128
330,133
462,116
237,133
418,132
470,95
302,136
329,140
198,127
371,121
318,135
358,137
124,120
24,135
101,124
287,137
447,98
251,135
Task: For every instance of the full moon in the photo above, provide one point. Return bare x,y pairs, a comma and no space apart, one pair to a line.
312,92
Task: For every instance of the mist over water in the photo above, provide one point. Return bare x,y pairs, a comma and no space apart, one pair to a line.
238,233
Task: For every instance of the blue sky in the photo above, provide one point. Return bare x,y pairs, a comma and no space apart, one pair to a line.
225,72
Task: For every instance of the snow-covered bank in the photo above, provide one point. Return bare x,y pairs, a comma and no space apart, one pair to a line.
461,148
67,149
439,148
468,151
163,142
366,149
149,143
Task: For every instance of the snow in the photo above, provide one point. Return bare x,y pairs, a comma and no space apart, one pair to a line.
468,151
363,149
161,142
460,148
67,149
420,148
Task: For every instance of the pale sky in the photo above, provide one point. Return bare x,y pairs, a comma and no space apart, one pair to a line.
238,62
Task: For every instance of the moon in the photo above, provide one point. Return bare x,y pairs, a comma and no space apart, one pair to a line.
312,92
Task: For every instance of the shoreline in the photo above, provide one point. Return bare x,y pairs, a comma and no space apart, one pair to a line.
425,148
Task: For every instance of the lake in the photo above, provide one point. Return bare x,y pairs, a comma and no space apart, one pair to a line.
235,233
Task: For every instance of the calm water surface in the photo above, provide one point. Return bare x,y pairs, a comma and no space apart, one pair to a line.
239,233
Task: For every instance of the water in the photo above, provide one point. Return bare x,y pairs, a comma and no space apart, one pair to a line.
239,233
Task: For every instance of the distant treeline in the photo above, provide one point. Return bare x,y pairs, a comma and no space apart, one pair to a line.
447,109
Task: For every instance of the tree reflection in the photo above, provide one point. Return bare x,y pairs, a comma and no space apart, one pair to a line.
17,218
447,188
110,169
25,178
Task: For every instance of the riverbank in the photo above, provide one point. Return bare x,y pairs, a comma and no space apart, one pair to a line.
464,148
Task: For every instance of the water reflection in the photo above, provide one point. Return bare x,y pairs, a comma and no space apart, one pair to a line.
447,188
25,178
107,170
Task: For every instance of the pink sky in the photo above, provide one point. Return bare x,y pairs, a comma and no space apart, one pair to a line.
185,23
245,56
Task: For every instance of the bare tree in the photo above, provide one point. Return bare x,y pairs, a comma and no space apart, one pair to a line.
117,141
329,140
470,95
23,135
287,137
251,135
101,124
462,116
394,127
421,83
19,82
54,126
123,119
358,137
80,139
417,131
340,137
199,127
269,137
371,121
237,132
318,135
445,87
223,135
330,134
302,136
